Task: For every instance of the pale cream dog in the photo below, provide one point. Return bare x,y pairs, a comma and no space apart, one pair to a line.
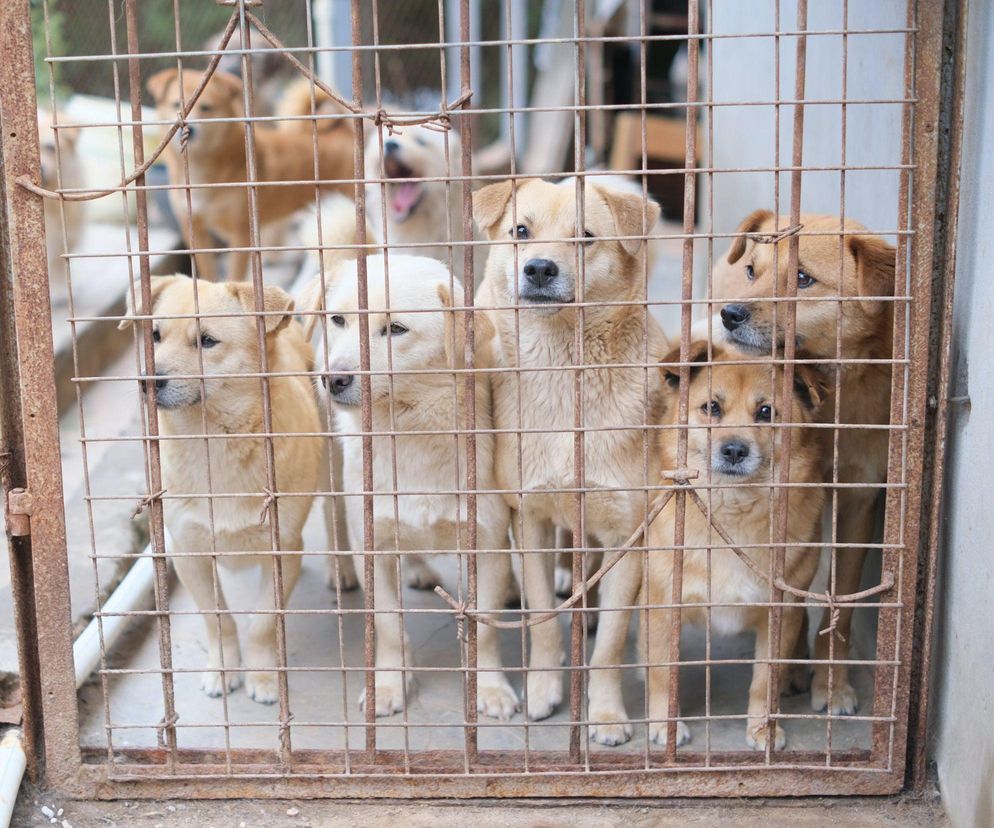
195,466
617,403
412,405
731,441
60,166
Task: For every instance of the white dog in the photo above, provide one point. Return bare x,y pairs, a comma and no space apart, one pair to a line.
412,331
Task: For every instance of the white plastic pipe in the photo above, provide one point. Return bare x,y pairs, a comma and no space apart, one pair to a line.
12,764
132,594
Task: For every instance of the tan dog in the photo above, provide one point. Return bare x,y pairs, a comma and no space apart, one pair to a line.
409,402
730,442
216,154
542,278
866,269
232,405
60,166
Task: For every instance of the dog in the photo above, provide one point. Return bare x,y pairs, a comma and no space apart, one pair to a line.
60,167
730,441
232,405
744,279
419,212
215,153
539,273
414,407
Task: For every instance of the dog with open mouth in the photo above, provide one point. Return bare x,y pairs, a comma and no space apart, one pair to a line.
845,279
419,459
734,440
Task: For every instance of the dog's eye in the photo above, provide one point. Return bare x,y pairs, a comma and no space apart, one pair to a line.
520,232
804,280
396,329
712,408
338,320
420,141
764,414
588,237
208,341
205,107
750,273
156,336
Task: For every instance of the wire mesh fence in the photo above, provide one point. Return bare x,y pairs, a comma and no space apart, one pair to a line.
535,385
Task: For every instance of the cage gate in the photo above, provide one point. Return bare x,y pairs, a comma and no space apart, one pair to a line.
473,703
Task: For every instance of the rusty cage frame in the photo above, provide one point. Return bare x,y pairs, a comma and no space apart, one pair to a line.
32,466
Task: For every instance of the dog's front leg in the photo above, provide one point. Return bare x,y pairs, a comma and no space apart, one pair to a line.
494,696
261,681
544,691
656,632
224,659
391,638
757,730
339,569
606,706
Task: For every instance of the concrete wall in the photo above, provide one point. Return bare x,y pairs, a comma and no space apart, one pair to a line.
746,136
963,714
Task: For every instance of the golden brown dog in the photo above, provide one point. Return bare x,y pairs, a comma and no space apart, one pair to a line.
860,267
217,348
61,166
216,154
540,273
731,441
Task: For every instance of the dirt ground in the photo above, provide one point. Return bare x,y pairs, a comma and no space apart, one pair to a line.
803,813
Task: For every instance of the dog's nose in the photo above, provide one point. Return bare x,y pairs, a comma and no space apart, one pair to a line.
735,451
541,271
337,383
733,316
159,382
390,146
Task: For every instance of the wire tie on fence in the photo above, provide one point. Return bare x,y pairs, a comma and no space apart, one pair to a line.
164,725
681,476
146,501
459,611
267,505
285,726
774,238
833,618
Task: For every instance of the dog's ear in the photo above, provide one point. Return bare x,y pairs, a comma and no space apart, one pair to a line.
159,83
627,210
698,353
750,224
276,302
312,299
811,384
455,339
157,284
68,136
875,264
231,83
489,204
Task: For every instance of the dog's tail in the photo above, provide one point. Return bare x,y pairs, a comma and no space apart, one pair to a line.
298,100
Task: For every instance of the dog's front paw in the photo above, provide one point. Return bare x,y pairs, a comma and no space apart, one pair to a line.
612,726
564,581
845,702
389,694
758,733
545,693
214,684
658,733
343,575
262,686
495,697
420,575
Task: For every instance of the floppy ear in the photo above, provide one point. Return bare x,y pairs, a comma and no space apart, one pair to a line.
489,205
312,299
231,83
671,373
455,340
750,224
69,136
157,284
627,210
875,264
274,300
159,83
811,384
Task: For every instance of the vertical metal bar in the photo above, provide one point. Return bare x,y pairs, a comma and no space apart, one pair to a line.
686,294
469,288
41,460
368,541
155,507
785,403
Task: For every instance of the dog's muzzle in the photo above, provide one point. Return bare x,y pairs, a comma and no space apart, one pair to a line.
742,331
543,283
734,457
343,388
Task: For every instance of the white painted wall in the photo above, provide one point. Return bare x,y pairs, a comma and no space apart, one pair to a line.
746,136
963,715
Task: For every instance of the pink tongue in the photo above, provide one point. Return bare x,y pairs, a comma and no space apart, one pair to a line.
404,197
